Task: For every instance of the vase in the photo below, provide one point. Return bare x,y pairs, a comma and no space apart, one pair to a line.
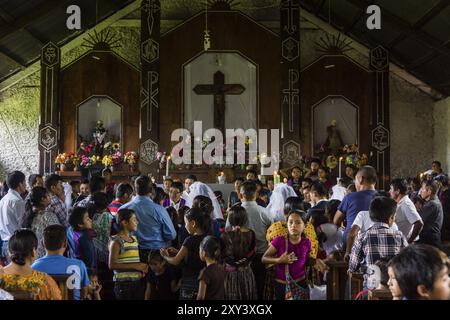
62,167
76,168
112,168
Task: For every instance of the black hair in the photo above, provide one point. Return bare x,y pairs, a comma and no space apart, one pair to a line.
97,184
237,216
259,183
172,213
124,188
248,189
331,208
76,217
73,183
168,179
33,178
181,213
239,179
106,170
303,215
382,208
204,203
153,256
52,180
382,263
158,195
318,217
85,181
191,177
270,178
416,265
125,215
296,167
345,181
292,204
201,218
437,162
432,185
351,187
54,237
99,202
143,186
34,200
368,174
400,185
316,160
212,247
320,188
308,180
21,245
178,185
218,194
14,179
382,193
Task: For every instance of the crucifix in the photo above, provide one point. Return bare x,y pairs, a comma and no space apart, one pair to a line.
219,89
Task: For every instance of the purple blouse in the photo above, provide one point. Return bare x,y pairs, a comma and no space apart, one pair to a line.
301,250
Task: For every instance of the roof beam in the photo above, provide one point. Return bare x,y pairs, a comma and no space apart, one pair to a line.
11,59
33,15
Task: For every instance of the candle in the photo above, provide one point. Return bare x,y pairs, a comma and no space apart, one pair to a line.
276,177
221,178
167,167
340,167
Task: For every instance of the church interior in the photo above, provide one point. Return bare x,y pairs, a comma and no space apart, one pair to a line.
316,133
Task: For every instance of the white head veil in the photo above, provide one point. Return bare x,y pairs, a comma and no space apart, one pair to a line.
201,189
276,205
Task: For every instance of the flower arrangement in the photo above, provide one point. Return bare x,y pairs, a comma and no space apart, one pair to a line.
131,157
107,161
162,158
76,160
61,158
116,158
353,157
85,161
94,159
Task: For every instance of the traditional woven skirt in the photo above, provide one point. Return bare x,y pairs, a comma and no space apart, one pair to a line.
269,292
189,288
240,284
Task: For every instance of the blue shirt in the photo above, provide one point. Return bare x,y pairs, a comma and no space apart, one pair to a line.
352,204
57,264
155,230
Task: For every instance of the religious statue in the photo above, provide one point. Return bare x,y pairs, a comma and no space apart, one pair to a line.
334,143
99,138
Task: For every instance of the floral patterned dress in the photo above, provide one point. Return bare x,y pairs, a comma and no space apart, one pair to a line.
40,284
101,223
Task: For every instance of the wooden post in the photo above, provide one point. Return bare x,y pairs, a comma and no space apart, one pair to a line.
150,84
336,279
379,124
49,137
290,81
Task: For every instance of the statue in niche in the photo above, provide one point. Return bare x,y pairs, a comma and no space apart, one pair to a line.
99,138
333,144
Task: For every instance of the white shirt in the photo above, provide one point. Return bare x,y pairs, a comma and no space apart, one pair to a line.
339,192
364,222
175,205
12,210
185,195
406,215
259,220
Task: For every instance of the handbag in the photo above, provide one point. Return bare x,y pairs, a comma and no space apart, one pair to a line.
293,290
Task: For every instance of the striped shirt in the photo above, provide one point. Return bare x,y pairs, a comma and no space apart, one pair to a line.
129,253
114,207
377,242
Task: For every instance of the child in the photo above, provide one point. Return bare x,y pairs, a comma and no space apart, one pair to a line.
75,184
167,184
375,280
161,282
94,288
198,225
239,250
290,254
80,235
419,272
124,259
380,240
211,278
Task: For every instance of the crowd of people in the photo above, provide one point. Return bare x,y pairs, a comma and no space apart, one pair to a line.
181,240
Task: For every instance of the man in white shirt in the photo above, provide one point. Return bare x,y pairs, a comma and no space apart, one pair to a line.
407,218
12,209
340,190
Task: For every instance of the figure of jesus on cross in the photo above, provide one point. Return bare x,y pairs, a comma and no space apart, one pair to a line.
219,89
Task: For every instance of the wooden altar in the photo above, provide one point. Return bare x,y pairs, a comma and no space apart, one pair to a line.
204,174
117,176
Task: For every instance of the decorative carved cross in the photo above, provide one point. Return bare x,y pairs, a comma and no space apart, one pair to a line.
219,89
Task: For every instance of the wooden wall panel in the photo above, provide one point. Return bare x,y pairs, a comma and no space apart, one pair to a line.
346,79
230,31
100,73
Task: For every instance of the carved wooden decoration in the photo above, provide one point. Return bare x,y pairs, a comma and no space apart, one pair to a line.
150,85
290,80
49,119
379,121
